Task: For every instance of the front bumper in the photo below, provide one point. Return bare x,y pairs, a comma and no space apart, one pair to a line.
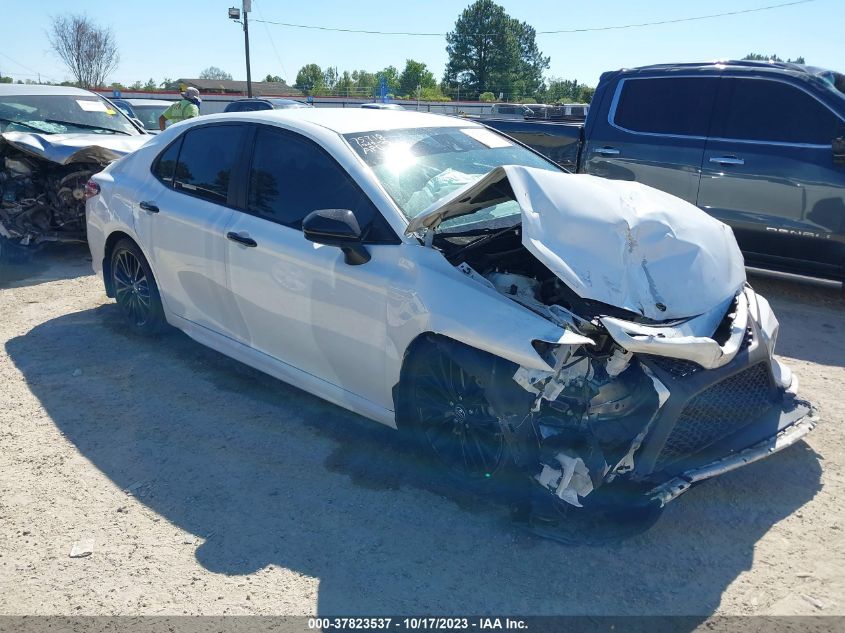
677,486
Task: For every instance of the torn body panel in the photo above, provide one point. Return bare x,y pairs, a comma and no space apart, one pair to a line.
43,179
646,400
620,243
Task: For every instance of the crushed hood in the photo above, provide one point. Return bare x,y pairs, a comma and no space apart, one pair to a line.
65,149
618,242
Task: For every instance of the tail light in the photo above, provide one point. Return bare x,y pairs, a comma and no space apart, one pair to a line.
91,189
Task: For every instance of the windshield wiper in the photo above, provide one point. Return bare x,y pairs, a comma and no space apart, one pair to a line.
31,127
87,126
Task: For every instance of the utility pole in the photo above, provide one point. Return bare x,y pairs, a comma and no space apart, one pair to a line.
247,8
235,14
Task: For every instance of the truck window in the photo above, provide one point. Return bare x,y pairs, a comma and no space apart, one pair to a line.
773,111
666,105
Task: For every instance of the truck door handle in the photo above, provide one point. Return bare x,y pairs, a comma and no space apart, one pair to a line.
241,239
606,151
148,206
727,160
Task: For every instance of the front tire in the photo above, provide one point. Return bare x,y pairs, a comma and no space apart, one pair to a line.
135,289
450,418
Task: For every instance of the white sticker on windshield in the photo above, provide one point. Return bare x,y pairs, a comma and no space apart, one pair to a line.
488,138
91,106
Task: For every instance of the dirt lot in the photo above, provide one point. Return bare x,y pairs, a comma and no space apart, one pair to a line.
210,489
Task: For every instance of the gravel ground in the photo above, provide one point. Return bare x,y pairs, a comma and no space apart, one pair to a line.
208,488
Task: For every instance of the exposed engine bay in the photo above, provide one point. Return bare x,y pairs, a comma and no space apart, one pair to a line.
41,201
43,179
651,405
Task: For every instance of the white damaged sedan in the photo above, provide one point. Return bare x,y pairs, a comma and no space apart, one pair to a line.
594,341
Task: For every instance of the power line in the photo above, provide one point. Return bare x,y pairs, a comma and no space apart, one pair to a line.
270,37
32,70
556,32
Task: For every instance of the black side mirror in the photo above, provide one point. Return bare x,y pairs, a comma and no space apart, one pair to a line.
337,227
838,147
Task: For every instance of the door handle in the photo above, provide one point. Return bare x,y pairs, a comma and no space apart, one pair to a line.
148,206
727,160
606,151
241,239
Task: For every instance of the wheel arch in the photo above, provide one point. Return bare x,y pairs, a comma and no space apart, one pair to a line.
111,241
494,373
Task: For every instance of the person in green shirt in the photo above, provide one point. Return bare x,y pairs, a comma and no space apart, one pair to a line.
186,108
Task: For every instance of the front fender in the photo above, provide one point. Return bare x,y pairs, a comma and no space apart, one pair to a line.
430,295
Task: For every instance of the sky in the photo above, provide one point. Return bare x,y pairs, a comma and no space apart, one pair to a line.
179,38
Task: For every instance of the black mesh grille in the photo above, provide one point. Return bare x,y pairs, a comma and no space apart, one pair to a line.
718,412
678,367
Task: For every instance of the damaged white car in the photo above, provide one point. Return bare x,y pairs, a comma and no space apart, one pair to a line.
52,139
593,342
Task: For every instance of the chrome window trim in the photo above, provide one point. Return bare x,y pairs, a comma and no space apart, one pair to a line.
611,115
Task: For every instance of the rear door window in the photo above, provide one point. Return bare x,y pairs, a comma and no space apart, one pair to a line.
208,156
165,165
291,176
681,106
772,111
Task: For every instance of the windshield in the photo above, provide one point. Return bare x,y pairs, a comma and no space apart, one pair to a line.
62,114
419,166
148,114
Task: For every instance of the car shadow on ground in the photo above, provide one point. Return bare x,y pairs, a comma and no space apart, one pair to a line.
268,475
51,263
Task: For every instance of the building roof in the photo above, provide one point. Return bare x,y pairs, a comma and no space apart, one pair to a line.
224,86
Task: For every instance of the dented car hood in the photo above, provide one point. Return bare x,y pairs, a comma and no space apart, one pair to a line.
617,242
65,149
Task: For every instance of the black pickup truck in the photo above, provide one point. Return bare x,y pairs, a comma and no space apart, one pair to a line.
759,145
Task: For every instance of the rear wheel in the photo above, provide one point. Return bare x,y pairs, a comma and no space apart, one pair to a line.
135,289
451,417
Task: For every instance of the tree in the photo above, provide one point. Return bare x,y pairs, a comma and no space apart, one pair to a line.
774,58
310,79
89,51
330,78
491,52
5,80
487,97
137,85
365,82
415,74
391,78
165,83
274,79
215,73
150,85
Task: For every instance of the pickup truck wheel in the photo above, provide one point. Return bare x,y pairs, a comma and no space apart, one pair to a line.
135,289
451,419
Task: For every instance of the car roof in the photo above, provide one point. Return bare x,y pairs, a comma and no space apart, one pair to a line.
732,64
147,102
38,89
349,120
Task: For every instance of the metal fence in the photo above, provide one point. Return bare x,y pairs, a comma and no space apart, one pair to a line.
212,104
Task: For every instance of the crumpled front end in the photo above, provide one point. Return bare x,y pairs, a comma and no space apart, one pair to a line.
43,180
678,382
664,407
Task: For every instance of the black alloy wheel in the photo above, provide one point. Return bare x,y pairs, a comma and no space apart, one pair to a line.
135,289
453,418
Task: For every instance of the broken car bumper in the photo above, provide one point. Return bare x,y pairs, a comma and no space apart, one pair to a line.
786,437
